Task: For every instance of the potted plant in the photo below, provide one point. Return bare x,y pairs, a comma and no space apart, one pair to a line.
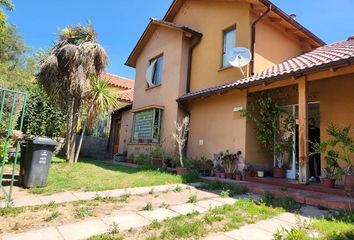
332,171
156,155
238,175
249,171
206,166
180,137
229,162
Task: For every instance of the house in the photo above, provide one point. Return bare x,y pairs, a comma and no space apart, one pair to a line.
182,70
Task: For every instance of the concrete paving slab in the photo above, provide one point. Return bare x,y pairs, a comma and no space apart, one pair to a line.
58,198
209,204
115,193
249,232
291,218
41,234
83,230
140,190
158,214
27,201
218,237
227,200
272,225
85,195
311,211
127,221
187,208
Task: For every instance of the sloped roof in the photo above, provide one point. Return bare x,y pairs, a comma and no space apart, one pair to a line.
127,95
149,30
117,81
322,58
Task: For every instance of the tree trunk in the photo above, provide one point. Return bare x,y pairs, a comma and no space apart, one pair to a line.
72,119
80,144
69,123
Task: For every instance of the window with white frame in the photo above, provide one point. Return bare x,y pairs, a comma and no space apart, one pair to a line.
229,42
147,125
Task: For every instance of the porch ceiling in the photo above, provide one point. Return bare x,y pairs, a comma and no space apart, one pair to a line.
323,58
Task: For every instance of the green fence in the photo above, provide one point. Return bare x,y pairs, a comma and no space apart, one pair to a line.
12,111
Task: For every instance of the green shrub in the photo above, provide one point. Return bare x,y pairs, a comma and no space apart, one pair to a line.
141,159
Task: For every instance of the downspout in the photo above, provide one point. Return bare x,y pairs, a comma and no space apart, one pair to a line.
190,58
253,37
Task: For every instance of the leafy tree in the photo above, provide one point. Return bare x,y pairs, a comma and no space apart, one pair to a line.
65,75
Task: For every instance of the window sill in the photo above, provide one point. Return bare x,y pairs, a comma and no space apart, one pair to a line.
142,144
149,88
225,68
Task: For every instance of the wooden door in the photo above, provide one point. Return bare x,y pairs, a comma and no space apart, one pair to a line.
117,126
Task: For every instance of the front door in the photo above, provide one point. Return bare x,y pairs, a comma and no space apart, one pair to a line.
117,125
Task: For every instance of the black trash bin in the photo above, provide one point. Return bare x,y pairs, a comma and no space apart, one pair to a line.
38,157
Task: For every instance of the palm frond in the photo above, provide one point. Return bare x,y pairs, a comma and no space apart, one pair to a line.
7,4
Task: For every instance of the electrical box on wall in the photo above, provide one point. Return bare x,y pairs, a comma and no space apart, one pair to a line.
201,142
237,112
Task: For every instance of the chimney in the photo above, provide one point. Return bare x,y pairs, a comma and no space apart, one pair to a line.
293,16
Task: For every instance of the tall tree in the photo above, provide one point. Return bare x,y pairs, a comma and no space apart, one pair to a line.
65,75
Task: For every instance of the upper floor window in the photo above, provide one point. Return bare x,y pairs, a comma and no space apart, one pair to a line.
146,126
229,42
154,72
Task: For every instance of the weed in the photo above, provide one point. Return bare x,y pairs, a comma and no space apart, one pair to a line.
16,226
151,191
52,216
225,193
82,212
124,198
155,224
148,207
10,211
178,188
211,218
113,229
286,203
97,197
192,199
165,205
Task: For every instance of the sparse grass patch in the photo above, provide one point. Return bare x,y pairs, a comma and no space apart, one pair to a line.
52,216
148,207
285,202
223,187
82,212
225,193
192,199
178,188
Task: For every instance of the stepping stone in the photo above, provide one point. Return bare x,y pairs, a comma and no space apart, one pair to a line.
272,225
227,200
127,221
85,195
291,218
115,193
140,190
250,232
218,237
158,214
311,211
26,201
58,198
187,208
41,234
209,204
83,230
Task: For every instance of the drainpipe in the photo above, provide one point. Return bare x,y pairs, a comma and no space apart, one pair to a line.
189,70
253,37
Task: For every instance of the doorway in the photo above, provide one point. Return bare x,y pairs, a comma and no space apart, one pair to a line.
117,126
291,160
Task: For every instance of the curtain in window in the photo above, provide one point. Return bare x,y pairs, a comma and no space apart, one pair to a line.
229,43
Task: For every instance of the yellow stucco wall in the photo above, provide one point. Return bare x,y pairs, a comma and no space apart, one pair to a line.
214,122
125,131
174,47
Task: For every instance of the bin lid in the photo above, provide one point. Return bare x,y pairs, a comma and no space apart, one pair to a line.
44,141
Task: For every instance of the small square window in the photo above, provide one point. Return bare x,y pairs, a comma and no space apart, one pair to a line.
229,42
154,72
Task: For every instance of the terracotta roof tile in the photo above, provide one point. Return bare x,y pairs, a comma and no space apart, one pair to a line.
176,25
117,81
127,95
321,58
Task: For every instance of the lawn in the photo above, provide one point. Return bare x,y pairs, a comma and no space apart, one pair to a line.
94,175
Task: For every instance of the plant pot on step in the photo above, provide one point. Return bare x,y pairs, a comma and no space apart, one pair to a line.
349,183
157,162
181,170
279,172
328,183
221,175
238,177
228,175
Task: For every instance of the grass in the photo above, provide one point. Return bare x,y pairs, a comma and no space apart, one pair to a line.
335,227
224,188
197,226
93,175
148,207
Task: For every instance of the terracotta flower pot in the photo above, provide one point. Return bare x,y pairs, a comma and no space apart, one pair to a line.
228,175
279,172
181,170
328,183
157,162
238,177
221,175
248,174
349,183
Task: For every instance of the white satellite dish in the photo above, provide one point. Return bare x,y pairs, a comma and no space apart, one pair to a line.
239,57
150,73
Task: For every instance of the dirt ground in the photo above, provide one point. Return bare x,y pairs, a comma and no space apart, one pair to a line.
23,219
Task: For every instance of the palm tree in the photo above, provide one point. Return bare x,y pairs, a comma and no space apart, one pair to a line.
100,100
65,75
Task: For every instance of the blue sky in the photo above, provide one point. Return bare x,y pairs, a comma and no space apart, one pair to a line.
119,23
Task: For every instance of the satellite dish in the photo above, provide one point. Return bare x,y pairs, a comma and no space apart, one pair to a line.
239,57
150,73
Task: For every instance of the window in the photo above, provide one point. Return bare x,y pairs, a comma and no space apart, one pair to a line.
146,127
229,38
154,72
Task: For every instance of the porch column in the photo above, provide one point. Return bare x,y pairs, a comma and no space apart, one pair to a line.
303,131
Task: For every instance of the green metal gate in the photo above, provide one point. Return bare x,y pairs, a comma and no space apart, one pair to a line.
12,111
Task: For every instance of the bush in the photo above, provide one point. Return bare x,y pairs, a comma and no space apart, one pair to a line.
141,159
